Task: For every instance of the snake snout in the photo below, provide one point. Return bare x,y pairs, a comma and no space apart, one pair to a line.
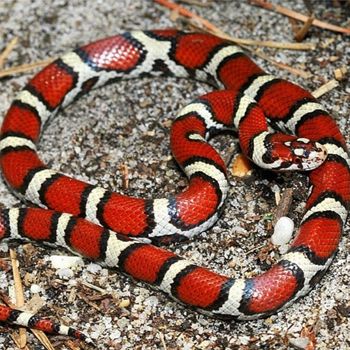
308,154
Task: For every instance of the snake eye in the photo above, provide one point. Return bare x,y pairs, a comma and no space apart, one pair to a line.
306,153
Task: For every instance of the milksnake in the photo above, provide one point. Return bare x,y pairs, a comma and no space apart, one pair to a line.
82,217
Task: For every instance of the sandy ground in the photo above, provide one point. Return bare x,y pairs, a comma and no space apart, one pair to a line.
128,123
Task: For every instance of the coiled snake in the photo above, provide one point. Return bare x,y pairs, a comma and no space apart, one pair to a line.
81,217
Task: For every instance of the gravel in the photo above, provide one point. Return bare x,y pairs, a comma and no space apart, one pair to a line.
128,123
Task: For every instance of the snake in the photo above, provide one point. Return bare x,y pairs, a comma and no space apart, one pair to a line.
280,126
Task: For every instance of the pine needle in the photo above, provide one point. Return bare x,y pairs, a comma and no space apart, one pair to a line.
10,46
300,17
24,67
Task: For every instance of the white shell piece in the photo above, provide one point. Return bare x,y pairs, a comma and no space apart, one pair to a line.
35,288
283,231
65,262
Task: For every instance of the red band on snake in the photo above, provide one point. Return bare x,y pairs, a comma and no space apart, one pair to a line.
83,216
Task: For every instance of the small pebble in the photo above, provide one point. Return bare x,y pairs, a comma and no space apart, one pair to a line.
94,268
4,248
244,339
339,296
124,303
283,231
35,288
65,273
65,262
151,301
115,335
299,343
204,344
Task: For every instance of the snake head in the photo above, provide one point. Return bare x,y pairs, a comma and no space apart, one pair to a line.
305,154
283,152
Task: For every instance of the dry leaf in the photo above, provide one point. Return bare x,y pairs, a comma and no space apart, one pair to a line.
241,166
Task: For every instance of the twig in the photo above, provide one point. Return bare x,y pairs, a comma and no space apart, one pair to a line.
284,204
7,300
22,338
300,35
16,339
270,43
323,89
296,15
255,249
161,336
10,46
218,32
340,73
93,305
186,13
44,340
92,286
24,67
125,176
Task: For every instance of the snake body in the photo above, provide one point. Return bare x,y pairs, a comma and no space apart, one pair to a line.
84,218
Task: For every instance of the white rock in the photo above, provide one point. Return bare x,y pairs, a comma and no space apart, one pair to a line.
65,273
115,334
204,344
4,247
187,346
65,262
244,339
151,301
299,343
35,288
123,323
94,268
283,231
339,296
94,335
275,189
